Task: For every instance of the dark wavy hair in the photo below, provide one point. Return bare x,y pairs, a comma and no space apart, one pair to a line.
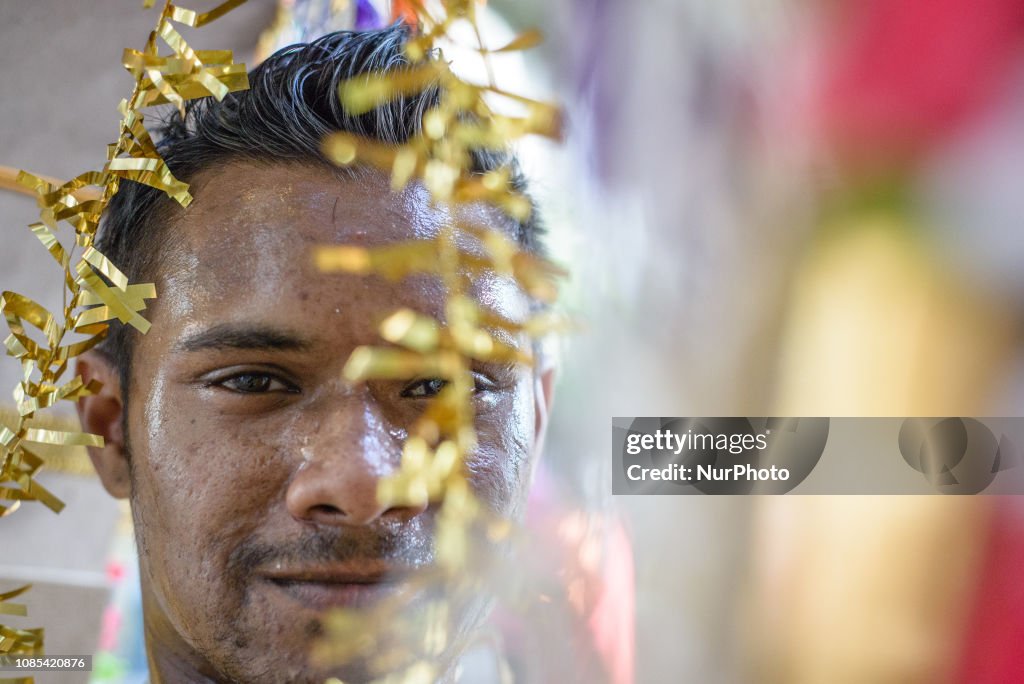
291,104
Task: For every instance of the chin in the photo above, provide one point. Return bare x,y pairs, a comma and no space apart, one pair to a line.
359,671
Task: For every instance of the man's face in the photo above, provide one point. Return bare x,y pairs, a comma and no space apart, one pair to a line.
254,463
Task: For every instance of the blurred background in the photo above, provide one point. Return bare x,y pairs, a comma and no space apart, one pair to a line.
769,208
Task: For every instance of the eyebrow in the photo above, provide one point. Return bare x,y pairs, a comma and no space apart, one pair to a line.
245,336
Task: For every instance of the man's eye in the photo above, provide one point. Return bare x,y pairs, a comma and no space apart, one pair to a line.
420,389
254,383
431,387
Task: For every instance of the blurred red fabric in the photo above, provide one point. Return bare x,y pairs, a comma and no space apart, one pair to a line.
994,635
899,74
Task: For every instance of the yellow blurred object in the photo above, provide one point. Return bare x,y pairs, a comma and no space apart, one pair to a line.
863,589
878,328
874,589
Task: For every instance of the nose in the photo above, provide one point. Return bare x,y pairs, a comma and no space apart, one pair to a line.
340,466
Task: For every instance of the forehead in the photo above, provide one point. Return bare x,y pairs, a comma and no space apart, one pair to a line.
246,242
245,210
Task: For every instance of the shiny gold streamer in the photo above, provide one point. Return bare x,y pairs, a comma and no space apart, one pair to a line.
96,290
434,456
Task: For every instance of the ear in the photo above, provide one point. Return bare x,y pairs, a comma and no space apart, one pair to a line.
101,414
543,393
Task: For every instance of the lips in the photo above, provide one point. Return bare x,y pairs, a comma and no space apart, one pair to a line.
322,588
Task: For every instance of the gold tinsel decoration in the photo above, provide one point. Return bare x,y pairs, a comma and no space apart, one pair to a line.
95,290
409,649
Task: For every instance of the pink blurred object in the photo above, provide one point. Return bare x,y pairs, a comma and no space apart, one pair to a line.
589,558
109,629
899,74
994,635
599,579
115,571
611,621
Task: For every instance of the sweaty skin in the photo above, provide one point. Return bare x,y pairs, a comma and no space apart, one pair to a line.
250,464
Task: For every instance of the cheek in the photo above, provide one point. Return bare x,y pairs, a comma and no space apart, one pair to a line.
201,482
500,469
